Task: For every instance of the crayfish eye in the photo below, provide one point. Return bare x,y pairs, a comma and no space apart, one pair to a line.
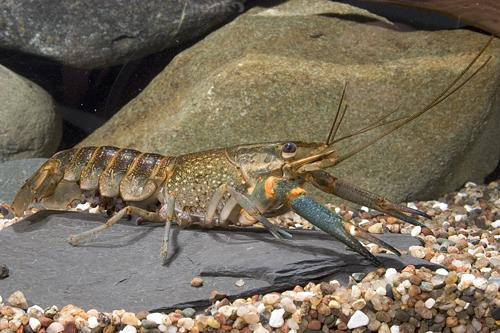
288,150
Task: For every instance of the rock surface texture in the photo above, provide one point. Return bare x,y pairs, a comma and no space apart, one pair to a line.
30,125
123,267
277,74
96,33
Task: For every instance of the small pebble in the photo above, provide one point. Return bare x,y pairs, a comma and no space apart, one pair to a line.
240,283
197,282
55,327
18,300
276,320
358,319
126,329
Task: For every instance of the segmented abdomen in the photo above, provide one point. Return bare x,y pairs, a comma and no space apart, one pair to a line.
128,173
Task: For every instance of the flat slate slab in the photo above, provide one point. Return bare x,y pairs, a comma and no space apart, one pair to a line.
122,267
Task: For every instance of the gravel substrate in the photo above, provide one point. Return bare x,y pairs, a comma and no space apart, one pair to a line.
463,296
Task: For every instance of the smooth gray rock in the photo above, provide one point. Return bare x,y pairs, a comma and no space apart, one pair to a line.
95,33
122,267
30,125
277,74
13,174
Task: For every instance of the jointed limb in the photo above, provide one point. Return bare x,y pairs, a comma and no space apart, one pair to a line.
249,206
129,210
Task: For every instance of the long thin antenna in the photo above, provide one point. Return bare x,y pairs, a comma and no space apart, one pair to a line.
331,133
436,101
450,89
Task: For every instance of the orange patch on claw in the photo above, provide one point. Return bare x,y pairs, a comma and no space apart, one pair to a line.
269,187
294,193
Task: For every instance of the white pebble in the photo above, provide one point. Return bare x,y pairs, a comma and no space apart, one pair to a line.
355,292
292,324
411,205
187,323
365,209
33,311
83,206
95,210
172,329
459,217
129,329
276,319
260,329
93,322
390,275
416,231
394,329
155,317
162,328
337,210
429,303
270,299
496,224
480,283
442,271
288,305
303,295
406,284
467,278
358,319
381,291
227,310
442,206
55,327
240,283
34,324
417,251
261,308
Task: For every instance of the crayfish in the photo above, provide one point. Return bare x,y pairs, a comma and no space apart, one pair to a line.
239,185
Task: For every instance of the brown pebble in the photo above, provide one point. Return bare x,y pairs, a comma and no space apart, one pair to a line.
216,296
314,325
414,291
197,282
142,314
109,329
327,288
45,321
451,321
70,327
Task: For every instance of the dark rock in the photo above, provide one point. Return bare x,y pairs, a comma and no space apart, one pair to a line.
122,265
13,174
358,276
4,271
495,313
94,33
402,316
148,324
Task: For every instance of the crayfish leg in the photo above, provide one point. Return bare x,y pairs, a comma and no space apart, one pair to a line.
76,240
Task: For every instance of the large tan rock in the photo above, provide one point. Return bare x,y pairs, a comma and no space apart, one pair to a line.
30,126
277,73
